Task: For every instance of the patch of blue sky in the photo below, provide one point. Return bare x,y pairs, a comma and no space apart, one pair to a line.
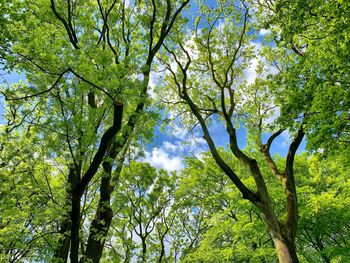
181,143
6,79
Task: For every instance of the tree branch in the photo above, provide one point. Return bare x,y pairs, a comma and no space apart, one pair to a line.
41,92
247,193
265,149
67,25
290,188
104,143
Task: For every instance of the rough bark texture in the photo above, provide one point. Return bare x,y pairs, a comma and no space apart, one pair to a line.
285,251
75,229
99,225
103,217
144,249
61,253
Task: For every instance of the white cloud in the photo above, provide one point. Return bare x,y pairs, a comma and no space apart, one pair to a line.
154,80
161,159
179,132
273,115
286,136
264,32
251,72
169,156
197,146
170,146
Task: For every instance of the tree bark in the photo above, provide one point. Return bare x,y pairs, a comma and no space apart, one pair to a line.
162,253
144,249
285,250
75,229
103,217
61,253
99,225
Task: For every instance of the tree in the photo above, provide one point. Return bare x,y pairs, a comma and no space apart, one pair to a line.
145,211
87,67
31,194
208,84
323,227
84,102
232,229
311,37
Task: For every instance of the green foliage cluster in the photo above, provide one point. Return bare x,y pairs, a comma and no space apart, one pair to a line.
69,162
232,230
313,60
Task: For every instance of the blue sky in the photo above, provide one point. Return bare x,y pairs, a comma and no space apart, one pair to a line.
168,148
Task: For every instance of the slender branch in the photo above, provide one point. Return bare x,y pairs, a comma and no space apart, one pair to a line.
292,150
70,31
70,24
265,149
90,83
297,50
42,92
247,193
165,29
104,143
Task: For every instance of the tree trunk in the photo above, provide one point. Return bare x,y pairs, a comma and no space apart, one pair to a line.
127,255
98,232
144,249
283,235
61,253
162,252
285,250
100,224
75,229
103,217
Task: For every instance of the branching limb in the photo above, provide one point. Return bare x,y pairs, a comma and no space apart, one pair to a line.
42,92
265,149
104,143
290,188
247,193
67,24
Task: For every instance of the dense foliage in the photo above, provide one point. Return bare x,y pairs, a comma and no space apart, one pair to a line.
74,130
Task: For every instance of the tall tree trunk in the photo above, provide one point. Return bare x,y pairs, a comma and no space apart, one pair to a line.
103,217
285,250
283,235
162,252
75,194
144,249
61,253
100,224
75,229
